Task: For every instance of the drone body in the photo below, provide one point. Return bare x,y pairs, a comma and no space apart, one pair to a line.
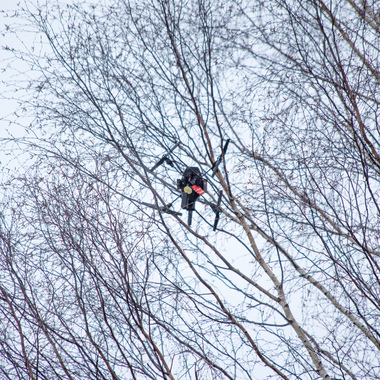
192,186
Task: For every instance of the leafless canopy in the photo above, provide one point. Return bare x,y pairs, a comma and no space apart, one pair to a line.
95,285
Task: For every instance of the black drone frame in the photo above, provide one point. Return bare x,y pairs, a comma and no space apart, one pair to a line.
191,185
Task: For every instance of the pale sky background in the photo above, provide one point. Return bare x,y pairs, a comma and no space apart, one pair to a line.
7,75
7,106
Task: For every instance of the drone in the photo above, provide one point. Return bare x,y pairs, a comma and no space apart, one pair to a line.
191,185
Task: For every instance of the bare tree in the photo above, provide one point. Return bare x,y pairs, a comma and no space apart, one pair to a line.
97,284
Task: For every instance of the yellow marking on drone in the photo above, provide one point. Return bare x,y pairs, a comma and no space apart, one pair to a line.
187,189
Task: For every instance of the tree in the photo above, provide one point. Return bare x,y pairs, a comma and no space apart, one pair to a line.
96,285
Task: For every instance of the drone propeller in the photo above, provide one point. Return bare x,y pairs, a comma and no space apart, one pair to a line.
165,208
165,158
219,160
216,209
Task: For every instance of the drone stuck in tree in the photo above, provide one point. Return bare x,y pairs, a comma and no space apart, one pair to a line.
192,186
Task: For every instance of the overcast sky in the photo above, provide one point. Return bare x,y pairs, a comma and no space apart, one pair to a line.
8,70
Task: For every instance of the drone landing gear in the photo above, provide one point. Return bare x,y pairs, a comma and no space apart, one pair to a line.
189,217
216,209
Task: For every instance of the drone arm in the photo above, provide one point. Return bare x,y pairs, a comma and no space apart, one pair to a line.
165,158
226,146
165,209
219,160
160,162
215,166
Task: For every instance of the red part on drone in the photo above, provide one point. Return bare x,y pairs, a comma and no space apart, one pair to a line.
198,189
